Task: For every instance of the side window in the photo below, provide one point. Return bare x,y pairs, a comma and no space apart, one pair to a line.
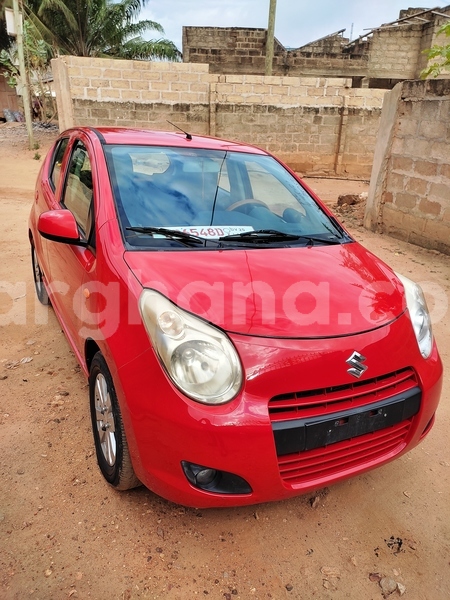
78,192
55,174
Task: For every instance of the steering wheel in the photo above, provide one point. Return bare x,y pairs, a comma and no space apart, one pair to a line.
247,202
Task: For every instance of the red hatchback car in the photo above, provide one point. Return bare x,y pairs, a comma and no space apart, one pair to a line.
240,345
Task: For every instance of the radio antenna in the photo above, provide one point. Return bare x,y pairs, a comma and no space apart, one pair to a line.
188,135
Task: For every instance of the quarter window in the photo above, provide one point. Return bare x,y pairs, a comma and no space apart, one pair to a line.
55,174
79,190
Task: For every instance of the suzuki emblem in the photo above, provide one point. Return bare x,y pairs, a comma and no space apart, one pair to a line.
356,363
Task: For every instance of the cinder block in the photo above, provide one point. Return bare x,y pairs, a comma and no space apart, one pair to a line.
405,200
74,71
444,171
77,92
120,84
170,76
100,113
151,96
298,92
433,130
425,168
403,164
99,83
171,97
417,147
112,74
131,95
130,74
92,72
235,79
291,82
440,192
139,85
273,80
162,86
430,208
440,151
417,186
254,99
235,98
81,82
199,87
177,86
109,94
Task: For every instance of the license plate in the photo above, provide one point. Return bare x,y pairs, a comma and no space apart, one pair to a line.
300,435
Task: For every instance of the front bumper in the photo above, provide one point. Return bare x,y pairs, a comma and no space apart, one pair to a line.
286,381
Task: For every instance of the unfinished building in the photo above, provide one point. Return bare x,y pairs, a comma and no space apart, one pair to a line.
380,58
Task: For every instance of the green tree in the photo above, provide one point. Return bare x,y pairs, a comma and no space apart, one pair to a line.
442,53
102,28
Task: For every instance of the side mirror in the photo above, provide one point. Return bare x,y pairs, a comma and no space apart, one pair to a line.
60,226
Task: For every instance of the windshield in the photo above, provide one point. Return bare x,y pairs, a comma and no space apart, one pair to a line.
217,196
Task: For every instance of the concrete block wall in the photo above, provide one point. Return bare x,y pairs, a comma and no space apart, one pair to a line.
231,50
433,38
399,53
226,49
391,53
317,125
409,194
95,91
395,56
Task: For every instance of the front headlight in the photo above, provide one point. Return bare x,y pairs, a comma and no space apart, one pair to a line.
418,312
199,359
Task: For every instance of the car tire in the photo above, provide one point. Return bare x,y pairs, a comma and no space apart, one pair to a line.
111,445
39,286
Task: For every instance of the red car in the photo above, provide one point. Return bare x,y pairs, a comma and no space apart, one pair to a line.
240,345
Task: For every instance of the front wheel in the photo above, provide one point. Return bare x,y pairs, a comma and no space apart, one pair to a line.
111,445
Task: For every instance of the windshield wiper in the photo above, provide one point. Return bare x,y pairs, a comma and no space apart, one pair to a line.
273,235
185,238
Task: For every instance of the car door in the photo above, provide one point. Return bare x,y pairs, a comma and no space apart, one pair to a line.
71,265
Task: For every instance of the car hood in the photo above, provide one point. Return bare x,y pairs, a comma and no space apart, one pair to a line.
298,292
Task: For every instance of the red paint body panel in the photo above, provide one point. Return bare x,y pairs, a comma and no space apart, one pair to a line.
239,435
294,316
280,292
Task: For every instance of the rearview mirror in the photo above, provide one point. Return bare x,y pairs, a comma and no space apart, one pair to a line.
60,226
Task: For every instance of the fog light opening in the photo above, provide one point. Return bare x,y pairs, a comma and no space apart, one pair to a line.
213,480
205,477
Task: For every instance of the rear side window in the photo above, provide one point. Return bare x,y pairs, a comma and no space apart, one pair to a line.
55,174
78,191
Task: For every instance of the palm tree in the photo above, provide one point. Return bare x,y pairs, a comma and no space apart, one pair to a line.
102,28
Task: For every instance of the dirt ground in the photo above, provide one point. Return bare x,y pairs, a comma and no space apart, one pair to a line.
65,534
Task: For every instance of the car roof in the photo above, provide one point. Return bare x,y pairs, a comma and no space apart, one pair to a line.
124,135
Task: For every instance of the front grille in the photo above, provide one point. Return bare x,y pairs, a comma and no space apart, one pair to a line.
322,401
341,456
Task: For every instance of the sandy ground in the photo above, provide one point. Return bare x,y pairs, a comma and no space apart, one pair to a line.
65,534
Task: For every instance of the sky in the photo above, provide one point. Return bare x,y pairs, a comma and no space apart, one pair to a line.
297,22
